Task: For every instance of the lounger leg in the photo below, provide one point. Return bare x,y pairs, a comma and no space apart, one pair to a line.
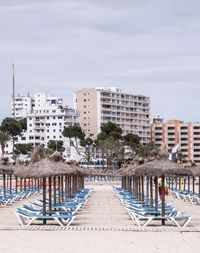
176,223
59,222
148,221
186,222
29,223
20,219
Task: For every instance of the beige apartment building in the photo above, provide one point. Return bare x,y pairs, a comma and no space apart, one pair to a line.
97,106
175,132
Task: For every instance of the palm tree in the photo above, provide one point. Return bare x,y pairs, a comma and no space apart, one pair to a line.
4,138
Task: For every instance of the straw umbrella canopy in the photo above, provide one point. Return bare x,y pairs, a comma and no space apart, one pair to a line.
8,168
43,168
162,167
74,169
128,170
195,170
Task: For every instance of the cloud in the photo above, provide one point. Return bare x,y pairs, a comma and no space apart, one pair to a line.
147,47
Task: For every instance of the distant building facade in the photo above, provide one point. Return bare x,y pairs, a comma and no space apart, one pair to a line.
46,118
177,133
97,106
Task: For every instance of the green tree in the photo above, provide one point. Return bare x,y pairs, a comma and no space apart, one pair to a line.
132,144
4,138
110,129
13,127
23,123
147,150
74,133
56,145
112,149
89,145
86,142
23,148
131,140
109,142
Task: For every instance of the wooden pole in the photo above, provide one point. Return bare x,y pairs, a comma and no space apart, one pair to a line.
156,193
151,191
147,189
50,194
142,182
4,184
184,184
10,184
62,188
16,184
188,184
139,187
163,199
44,199
193,185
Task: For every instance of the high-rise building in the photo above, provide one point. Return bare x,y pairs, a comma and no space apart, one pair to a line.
177,133
100,105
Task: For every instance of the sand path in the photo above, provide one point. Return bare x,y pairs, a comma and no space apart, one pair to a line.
103,209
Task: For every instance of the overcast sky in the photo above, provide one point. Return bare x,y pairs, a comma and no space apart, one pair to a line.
149,47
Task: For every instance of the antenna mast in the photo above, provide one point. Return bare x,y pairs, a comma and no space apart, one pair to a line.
13,73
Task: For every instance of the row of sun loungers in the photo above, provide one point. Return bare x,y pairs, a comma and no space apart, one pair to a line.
102,179
62,213
186,196
142,213
11,197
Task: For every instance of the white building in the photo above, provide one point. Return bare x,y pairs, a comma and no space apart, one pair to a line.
23,105
45,121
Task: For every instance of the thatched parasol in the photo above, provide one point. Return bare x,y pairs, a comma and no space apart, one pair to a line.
162,167
7,168
43,168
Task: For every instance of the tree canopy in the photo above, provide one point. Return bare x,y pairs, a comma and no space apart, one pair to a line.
23,148
4,138
56,145
23,123
110,129
74,133
11,126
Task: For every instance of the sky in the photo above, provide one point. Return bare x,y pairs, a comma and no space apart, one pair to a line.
148,47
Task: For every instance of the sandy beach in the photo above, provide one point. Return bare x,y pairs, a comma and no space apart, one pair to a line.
102,225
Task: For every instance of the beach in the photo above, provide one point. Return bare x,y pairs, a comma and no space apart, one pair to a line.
102,225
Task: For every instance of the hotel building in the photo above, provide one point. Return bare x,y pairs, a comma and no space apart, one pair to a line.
177,133
100,105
